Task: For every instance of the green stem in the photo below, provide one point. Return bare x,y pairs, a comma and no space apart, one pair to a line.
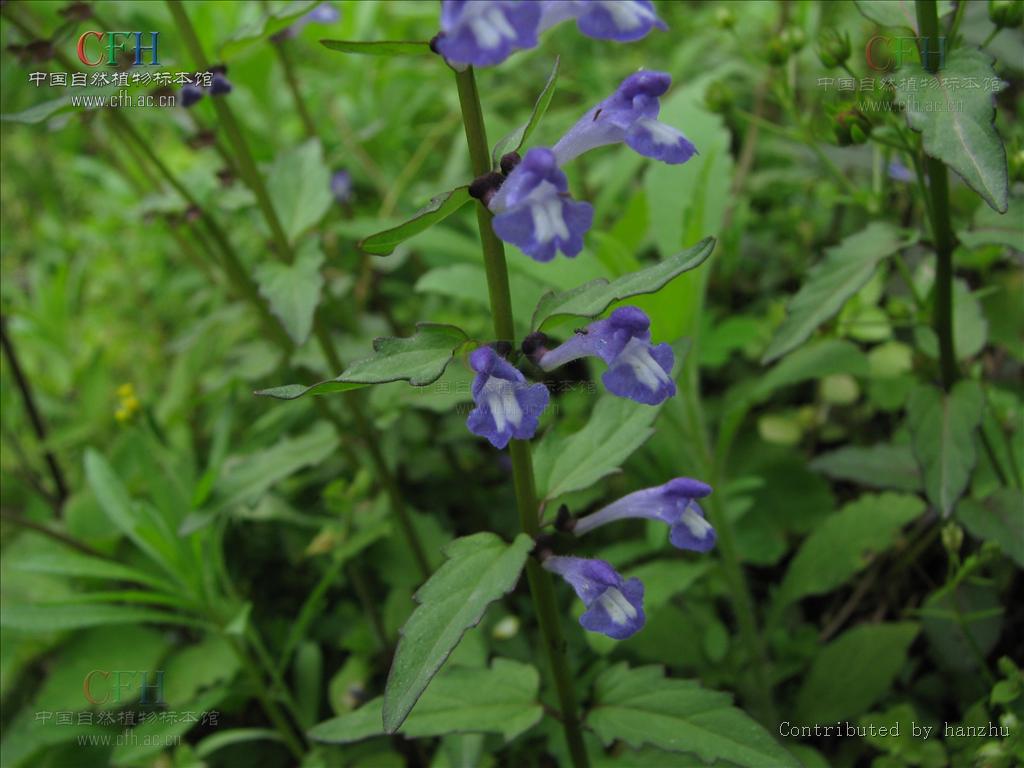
938,188
991,36
288,67
541,587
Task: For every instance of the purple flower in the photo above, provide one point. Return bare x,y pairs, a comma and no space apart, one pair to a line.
341,186
190,93
673,503
507,405
899,172
485,32
220,85
621,20
535,212
636,368
615,606
630,115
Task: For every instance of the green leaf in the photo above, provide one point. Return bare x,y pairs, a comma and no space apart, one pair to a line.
993,228
942,430
896,13
956,123
66,563
846,543
42,112
154,735
845,269
593,298
999,518
419,359
877,466
293,290
479,570
249,477
502,699
192,668
55,617
300,188
232,736
616,428
515,140
265,26
380,47
438,209
853,672
641,706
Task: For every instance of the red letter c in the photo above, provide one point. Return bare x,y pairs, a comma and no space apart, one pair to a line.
81,48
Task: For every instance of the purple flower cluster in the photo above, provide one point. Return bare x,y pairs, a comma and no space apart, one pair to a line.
615,606
533,209
190,93
483,33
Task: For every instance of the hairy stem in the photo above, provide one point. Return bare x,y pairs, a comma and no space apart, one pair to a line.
938,188
541,587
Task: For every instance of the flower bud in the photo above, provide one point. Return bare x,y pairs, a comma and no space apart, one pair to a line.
794,38
833,48
725,18
1006,13
777,52
952,538
718,97
852,127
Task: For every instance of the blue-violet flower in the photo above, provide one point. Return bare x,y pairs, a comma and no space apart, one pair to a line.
620,20
341,186
636,368
630,115
485,32
533,209
615,606
673,503
190,93
507,405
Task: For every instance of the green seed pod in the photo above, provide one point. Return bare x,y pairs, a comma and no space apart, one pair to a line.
777,52
725,18
833,48
852,127
794,38
719,97
1017,165
1006,14
952,538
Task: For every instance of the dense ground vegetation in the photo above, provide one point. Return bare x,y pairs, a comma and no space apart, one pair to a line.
269,371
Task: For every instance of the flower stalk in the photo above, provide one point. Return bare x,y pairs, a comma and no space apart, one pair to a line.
540,582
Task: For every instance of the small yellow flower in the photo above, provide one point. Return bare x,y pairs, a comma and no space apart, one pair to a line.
129,404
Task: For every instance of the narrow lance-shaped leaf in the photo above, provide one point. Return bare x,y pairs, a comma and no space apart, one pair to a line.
514,141
641,706
896,13
419,359
438,209
942,427
956,122
265,26
502,699
479,570
379,47
846,268
593,298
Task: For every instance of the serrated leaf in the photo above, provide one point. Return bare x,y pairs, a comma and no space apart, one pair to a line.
265,26
896,13
514,141
502,699
300,187
999,518
616,428
419,359
845,543
479,570
957,123
379,47
846,269
641,706
853,672
942,430
293,290
593,298
438,209
876,466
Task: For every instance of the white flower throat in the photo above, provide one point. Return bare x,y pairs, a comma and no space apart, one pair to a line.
500,397
488,25
637,355
546,209
615,604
